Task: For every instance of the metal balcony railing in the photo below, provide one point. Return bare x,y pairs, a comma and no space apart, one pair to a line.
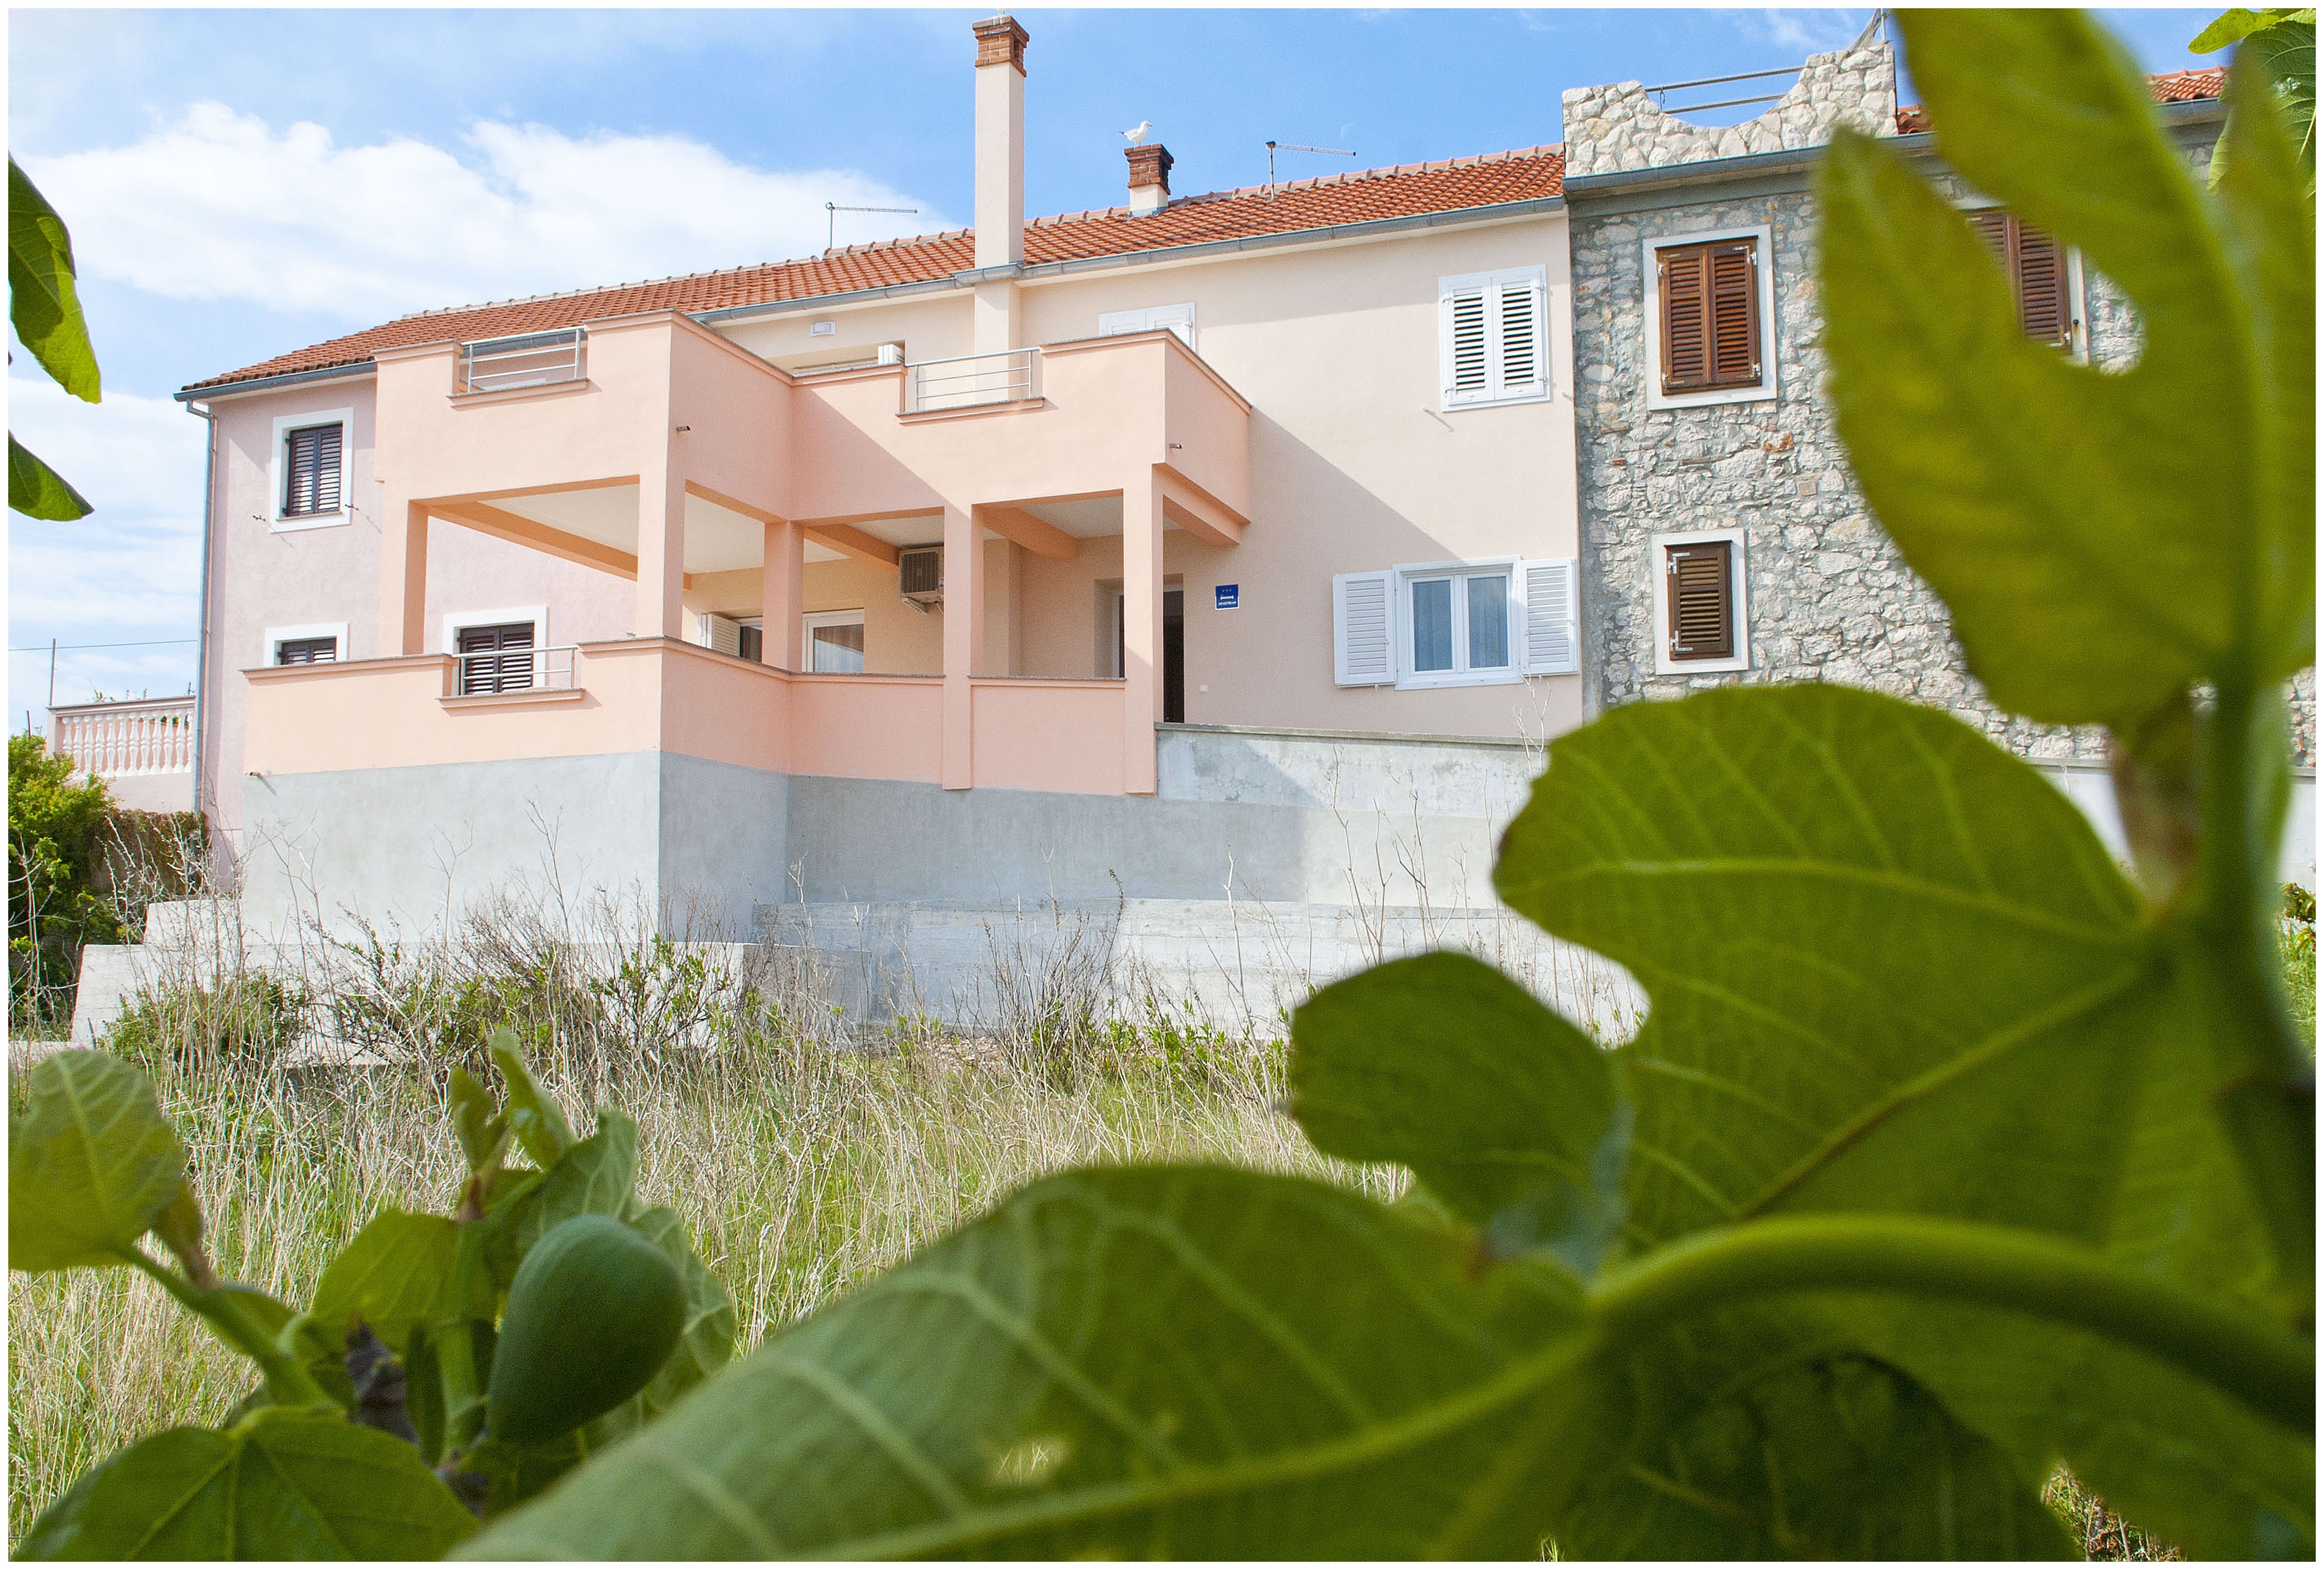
514,670
154,736
968,381
534,360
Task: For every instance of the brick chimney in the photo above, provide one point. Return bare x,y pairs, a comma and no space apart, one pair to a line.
1149,178
999,143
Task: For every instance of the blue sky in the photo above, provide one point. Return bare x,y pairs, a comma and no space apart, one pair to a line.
240,183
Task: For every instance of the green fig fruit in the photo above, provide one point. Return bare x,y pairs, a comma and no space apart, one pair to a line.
592,1314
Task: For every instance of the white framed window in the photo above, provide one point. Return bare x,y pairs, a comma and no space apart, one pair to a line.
307,469
742,637
834,642
1493,337
1722,350
1703,620
311,643
1455,624
1179,319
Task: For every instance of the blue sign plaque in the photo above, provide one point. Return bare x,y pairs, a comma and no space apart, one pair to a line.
1229,595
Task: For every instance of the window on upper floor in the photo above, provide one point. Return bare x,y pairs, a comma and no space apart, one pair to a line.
312,470
1454,624
307,651
1711,315
1710,309
1493,337
2043,278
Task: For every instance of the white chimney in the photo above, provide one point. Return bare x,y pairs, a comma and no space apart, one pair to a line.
1149,178
999,143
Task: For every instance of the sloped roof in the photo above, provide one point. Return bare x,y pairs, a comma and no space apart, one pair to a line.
1406,190
2171,87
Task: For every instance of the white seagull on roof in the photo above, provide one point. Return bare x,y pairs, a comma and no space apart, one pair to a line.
1137,133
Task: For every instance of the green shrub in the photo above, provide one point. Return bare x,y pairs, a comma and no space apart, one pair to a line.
56,827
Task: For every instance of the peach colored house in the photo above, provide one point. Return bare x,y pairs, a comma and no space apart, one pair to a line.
1166,550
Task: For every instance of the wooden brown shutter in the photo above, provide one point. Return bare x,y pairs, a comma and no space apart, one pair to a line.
2036,265
1702,600
1735,314
1711,315
314,464
1685,272
2039,271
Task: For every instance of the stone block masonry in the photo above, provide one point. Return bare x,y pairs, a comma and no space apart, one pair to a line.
1827,594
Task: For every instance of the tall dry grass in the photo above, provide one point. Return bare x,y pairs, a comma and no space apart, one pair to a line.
802,1169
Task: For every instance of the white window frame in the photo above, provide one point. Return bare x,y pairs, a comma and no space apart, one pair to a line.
1491,283
815,619
456,620
1409,574
278,472
1179,318
2077,304
1658,587
278,636
1650,283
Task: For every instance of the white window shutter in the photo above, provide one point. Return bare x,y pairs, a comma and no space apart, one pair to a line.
1553,632
1113,323
1363,630
1465,349
1179,319
721,633
1521,357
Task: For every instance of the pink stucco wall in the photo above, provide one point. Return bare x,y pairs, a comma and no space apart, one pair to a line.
1310,414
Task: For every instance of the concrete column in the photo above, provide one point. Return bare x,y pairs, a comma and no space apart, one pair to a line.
661,551
963,639
403,580
1003,567
782,569
1141,628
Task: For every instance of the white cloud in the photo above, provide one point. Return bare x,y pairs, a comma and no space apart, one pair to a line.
222,205
131,570
1806,32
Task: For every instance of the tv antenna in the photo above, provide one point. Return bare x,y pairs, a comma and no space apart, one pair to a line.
831,211
1300,147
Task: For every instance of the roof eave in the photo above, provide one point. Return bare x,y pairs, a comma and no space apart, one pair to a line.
201,391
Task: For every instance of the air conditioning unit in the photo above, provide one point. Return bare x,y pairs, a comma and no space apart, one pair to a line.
920,575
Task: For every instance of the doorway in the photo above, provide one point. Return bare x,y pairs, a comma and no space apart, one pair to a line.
1174,653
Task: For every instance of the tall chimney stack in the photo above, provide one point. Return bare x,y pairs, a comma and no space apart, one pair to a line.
1149,178
999,143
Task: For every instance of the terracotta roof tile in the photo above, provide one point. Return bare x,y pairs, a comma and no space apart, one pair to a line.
1402,191
2171,87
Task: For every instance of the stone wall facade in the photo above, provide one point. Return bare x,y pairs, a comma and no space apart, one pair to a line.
1828,596
1620,127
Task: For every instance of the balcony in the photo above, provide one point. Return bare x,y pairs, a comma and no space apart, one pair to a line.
972,380
535,360
655,450
142,748
661,694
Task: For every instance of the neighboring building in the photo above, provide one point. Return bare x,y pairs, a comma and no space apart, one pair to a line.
142,748
1127,552
1724,538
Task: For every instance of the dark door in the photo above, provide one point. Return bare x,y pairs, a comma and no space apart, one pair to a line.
1174,655
1174,652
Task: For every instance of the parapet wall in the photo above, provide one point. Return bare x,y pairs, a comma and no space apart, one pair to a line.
1618,127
